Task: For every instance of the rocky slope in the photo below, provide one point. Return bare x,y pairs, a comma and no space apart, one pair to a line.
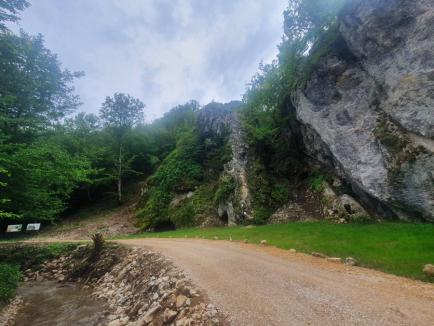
138,287
368,110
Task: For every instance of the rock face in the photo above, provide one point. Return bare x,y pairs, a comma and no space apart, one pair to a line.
368,110
237,168
216,119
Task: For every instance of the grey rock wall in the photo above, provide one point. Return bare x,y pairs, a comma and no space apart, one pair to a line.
372,118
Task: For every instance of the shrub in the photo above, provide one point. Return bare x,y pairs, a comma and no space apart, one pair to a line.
180,171
316,181
194,210
225,189
9,278
98,246
280,194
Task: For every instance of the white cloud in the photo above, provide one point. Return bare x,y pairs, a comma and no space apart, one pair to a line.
162,51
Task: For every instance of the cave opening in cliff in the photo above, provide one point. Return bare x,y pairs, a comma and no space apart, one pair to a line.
225,218
165,226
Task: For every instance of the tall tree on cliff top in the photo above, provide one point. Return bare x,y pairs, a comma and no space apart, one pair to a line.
120,113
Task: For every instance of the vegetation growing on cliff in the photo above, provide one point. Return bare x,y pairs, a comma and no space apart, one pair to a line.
310,32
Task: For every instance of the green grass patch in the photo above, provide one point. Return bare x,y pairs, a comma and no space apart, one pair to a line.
398,248
26,256
9,277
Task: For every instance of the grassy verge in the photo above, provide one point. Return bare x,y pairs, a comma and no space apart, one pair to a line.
9,278
398,248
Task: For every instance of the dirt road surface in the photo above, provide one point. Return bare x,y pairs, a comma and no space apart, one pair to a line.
269,286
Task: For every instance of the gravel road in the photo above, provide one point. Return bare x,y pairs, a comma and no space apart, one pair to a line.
257,285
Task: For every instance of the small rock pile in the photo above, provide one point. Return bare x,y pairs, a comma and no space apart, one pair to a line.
56,269
146,289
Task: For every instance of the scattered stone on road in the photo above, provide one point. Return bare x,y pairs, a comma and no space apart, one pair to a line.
351,261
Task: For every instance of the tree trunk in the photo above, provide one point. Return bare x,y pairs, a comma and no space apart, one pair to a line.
120,175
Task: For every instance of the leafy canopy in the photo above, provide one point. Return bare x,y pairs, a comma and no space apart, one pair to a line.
9,10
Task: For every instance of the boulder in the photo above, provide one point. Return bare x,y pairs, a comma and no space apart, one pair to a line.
318,254
353,208
351,261
169,315
429,270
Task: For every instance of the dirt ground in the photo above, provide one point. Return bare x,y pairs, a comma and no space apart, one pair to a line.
269,286
82,224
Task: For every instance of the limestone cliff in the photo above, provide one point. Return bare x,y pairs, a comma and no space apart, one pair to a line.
214,120
368,109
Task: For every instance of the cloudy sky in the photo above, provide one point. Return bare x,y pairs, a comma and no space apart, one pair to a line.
164,52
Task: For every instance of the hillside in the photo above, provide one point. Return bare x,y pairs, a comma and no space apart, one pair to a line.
338,127
349,140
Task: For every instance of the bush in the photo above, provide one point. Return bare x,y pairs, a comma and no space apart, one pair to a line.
316,181
194,210
225,189
180,171
9,278
280,194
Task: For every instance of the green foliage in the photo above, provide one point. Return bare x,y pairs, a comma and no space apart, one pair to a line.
35,91
310,32
18,257
180,171
194,210
44,176
316,180
183,215
280,194
226,188
4,175
9,277
120,114
267,194
9,10
27,256
307,19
